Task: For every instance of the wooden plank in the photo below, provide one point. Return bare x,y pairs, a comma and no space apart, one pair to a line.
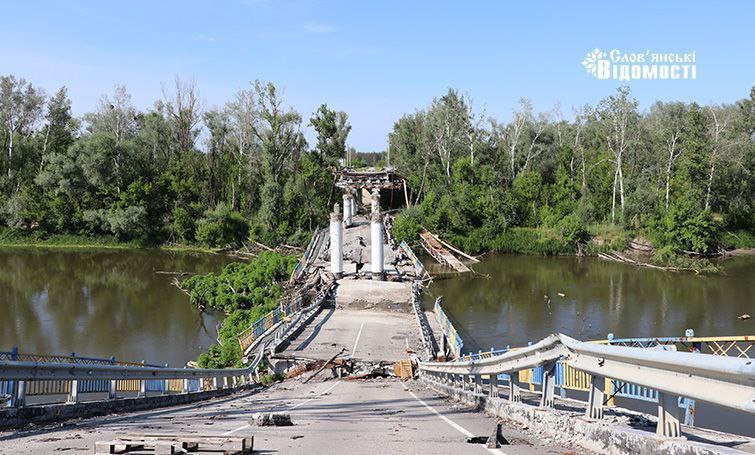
170,444
436,249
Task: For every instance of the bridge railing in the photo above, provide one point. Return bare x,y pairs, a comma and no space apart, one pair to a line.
419,268
603,370
307,256
65,378
27,375
448,329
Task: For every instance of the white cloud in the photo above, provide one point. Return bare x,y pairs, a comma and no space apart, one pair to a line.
314,27
206,38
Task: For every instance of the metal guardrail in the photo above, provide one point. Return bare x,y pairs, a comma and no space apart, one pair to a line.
419,268
289,304
588,366
448,329
22,378
306,258
23,375
426,332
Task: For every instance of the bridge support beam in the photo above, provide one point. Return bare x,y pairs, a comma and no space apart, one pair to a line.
336,243
668,416
493,392
347,210
595,401
376,247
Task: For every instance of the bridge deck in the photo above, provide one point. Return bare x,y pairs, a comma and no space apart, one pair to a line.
370,320
355,417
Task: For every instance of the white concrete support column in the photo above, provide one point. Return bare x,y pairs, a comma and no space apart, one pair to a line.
347,210
336,244
375,200
376,239
353,200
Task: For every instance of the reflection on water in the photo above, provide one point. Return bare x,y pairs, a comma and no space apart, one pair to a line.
102,303
600,297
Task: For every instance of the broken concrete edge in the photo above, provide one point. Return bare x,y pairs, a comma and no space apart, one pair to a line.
594,435
13,418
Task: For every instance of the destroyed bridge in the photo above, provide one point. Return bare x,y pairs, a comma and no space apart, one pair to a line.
369,369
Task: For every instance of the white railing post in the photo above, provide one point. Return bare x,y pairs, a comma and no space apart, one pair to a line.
112,390
515,394
73,393
668,416
225,382
477,384
185,386
549,385
595,399
493,385
19,394
142,388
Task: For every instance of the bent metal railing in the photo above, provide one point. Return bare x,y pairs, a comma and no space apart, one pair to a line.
672,375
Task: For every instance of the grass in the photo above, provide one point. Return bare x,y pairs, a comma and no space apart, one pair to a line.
19,239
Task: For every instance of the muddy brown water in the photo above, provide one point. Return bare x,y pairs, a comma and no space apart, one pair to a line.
521,302
103,303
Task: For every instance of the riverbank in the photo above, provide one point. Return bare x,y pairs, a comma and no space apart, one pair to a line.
600,241
16,239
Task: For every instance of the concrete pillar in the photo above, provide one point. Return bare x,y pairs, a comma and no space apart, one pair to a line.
353,200
347,210
375,200
336,243
376,238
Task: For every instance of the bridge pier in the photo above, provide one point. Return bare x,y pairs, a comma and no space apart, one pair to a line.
549,385
336,242
376,238
375,200
348,208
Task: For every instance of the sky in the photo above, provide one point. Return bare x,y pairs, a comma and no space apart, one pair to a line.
374,60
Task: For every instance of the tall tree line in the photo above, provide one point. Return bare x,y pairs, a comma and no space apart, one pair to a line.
680,173
177,172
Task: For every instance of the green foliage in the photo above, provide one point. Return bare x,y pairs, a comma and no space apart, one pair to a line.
270,378
687,227
407,225
242,285
221,227
668,257
573,229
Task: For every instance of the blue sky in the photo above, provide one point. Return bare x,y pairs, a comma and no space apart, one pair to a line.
376,60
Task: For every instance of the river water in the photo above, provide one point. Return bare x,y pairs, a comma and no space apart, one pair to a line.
521,300
100,303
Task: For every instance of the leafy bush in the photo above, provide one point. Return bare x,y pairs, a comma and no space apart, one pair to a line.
222,227
241,285
573,229
688,228
407,225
